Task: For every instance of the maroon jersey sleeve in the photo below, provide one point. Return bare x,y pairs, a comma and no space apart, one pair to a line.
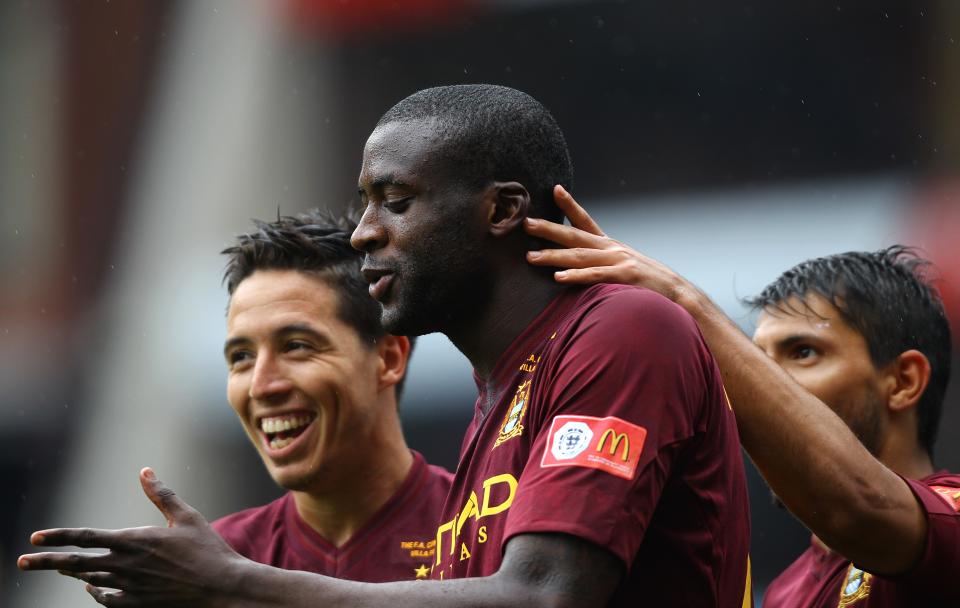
939,496
626,386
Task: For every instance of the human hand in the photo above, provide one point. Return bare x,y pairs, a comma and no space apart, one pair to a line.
593,257
185,564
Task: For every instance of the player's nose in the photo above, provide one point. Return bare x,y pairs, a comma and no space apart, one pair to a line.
369,234
268,382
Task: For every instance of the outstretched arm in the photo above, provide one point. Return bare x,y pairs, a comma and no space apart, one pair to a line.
808,455
187,564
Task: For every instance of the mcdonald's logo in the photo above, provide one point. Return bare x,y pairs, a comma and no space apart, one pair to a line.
618,438
617,451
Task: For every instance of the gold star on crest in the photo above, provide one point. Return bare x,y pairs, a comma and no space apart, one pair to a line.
422,571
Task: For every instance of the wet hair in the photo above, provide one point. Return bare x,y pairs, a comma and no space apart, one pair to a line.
317,243
887,297
494,133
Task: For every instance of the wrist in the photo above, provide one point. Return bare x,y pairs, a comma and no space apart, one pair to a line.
690,298
242,587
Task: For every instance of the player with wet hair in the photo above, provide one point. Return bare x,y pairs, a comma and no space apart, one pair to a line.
838,408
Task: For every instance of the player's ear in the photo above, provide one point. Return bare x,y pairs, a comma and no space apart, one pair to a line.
909,375
508,203
393,351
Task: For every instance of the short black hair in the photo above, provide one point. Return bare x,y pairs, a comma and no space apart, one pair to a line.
318,243
887,296
494,133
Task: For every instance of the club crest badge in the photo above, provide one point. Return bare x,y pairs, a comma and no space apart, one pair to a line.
856,586
513,422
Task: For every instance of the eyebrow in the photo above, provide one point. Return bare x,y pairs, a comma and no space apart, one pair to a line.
389,179
793,339
293,328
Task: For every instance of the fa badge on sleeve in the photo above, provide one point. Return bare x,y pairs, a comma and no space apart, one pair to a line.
609,444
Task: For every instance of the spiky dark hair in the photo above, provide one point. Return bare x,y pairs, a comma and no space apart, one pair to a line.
886,296
314,242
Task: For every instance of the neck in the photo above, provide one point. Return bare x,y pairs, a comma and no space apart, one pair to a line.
341,509
517,298
901,451
912,464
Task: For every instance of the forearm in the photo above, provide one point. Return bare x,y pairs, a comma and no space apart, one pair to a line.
808,455
267,587
187,564
549,570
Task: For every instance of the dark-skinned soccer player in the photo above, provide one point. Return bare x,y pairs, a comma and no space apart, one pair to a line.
601,469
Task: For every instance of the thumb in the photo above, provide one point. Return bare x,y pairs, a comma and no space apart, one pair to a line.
176,512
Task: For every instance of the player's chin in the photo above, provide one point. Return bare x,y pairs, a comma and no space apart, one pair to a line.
294,479
397,319
415,316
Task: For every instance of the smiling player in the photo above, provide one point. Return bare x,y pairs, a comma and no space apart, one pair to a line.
314,380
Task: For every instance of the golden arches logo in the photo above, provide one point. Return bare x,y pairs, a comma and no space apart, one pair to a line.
618,438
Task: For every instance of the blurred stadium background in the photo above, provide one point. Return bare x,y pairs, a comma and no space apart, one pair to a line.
730,140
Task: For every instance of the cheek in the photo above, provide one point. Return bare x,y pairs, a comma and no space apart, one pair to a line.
236,395
822,382
838,386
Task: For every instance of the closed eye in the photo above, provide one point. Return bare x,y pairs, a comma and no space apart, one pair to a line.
399,205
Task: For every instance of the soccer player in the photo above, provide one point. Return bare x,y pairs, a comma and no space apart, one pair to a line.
866,335
314,380
601,468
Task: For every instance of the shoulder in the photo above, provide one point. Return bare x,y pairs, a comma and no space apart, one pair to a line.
439,477
244,526
427,485
607,306
943,478
938,493
627,297
633,321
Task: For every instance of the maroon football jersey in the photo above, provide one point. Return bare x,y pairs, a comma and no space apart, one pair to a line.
396,544
606,419
822,579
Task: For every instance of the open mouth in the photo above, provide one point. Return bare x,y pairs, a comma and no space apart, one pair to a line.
281,431
379,281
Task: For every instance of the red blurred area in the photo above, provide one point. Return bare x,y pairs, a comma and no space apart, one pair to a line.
933,221
343,17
